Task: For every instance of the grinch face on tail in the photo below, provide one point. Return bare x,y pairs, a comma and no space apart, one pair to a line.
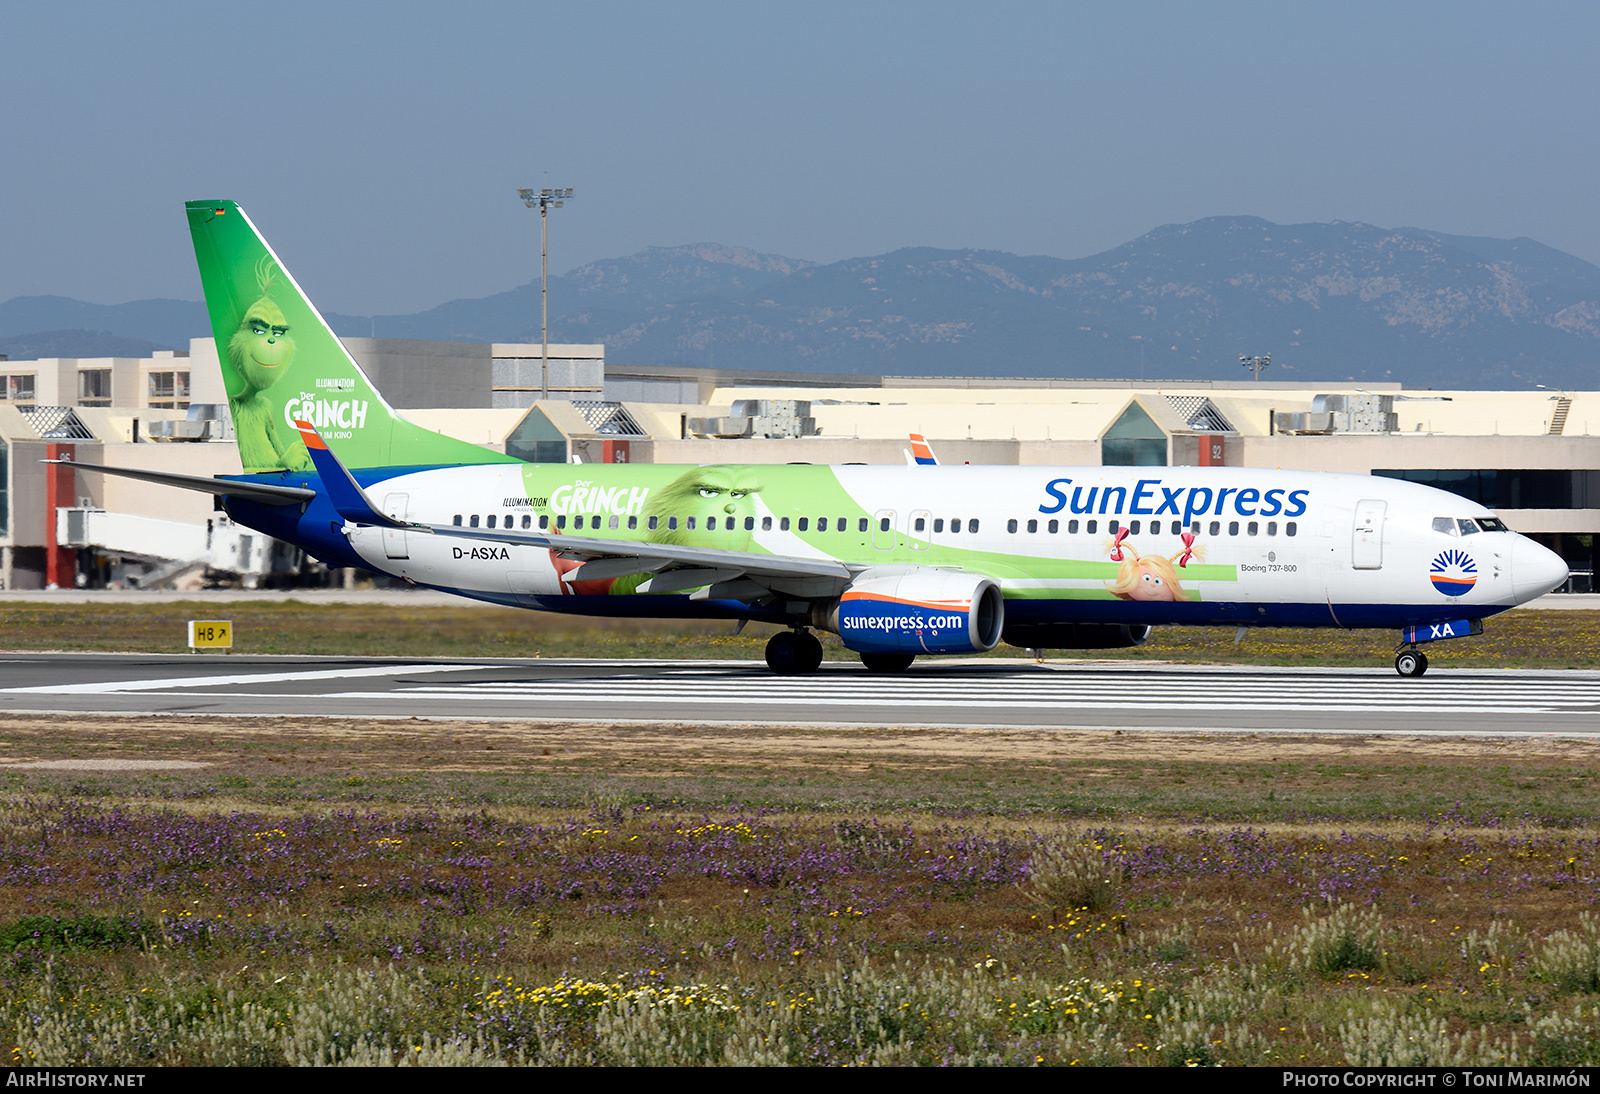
261,351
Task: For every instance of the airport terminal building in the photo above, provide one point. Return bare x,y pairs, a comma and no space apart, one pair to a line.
1531,456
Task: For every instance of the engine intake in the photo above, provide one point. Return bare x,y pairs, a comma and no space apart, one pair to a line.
917,610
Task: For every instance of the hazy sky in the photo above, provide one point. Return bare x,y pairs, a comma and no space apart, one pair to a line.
379,146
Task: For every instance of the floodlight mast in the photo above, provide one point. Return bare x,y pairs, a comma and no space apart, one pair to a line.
1257,365
545,200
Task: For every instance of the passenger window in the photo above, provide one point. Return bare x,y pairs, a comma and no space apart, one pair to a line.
474,520
1133,528
1072,527
1233,527
1253,528
955,526
972,526
749,524
456,520
1114,526
491,520
1272,527
689,522
544,522
1053,527
1291,528
612,523
1177,528
883,524
527,520
861,525
1033,526
1216,527
1445,525
922,523
511,521
1091,527
653,522
766,524
672,524
842,524
633,523
561,522
938,524
822,524
803,523
1011,525
783,524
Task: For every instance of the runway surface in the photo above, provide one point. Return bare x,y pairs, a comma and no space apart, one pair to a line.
975,693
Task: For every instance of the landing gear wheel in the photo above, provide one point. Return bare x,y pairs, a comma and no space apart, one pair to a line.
887,662
1411,663
793,653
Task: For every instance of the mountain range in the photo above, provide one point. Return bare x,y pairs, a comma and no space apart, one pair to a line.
1337,301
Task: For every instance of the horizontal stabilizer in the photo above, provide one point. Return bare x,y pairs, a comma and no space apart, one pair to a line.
265,493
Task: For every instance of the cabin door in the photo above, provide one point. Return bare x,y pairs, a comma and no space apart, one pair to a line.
1366,545
394,539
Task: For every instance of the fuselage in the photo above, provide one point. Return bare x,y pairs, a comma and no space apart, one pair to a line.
1118,545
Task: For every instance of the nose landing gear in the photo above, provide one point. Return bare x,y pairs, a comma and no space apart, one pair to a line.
1411,663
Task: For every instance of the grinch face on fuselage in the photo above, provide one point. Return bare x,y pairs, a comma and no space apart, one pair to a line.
709,506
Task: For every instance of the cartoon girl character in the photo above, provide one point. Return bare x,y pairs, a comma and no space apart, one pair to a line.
1149,577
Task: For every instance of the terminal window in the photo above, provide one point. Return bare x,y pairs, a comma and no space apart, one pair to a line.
94,387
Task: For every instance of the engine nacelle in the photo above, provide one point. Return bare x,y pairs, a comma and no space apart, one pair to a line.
917,610
1076,636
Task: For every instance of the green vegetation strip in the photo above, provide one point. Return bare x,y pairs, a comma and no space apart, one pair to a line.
466,893
1543,639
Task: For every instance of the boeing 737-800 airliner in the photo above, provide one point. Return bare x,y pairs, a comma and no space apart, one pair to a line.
898,561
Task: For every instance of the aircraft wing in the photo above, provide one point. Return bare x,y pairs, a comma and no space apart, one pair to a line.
265,493
719,574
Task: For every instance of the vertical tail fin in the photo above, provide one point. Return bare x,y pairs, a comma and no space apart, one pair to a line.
922,452
281,362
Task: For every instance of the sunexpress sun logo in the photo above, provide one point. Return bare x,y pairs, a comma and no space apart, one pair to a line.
1453,572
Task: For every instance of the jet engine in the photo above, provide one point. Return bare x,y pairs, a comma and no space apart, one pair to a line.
916,610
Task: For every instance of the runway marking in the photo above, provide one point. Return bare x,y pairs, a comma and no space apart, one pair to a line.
1141,693
111,687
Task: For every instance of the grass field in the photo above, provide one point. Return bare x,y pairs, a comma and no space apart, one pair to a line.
1545,639
433,892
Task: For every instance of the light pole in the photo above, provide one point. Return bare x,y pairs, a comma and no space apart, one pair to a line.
545,200
1258,365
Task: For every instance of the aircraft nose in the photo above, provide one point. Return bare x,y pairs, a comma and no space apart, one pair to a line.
1535,570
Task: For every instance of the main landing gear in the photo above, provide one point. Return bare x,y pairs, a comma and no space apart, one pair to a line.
1411,663
794,653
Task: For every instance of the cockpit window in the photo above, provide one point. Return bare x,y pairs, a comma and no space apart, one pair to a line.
1468,527
1447,525
1492,524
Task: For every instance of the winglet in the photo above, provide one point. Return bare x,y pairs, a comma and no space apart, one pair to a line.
343,491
